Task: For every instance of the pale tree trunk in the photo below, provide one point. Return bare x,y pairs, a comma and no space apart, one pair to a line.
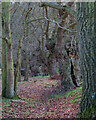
4,68
18,64
19,74
26,66
7,58
26,53
10,71
86,19
17,69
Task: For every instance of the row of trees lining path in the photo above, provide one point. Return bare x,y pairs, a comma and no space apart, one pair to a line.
86,33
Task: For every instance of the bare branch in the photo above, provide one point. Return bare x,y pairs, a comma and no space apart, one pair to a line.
52,4
60,26
71,25
35,20
70,11
50,20
47,28
27,14
59,7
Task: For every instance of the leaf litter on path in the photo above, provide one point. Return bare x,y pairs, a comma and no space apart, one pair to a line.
36,101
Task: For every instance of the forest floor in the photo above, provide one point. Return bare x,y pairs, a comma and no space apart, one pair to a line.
41,98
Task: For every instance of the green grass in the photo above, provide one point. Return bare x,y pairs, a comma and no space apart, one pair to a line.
75,98
6,101
73,91
57,70
69,93
45,86
42,76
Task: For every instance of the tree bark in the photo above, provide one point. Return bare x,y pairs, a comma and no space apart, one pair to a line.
4,68
7,58
51,64
16,77
26,66
26,52
86,19
62,57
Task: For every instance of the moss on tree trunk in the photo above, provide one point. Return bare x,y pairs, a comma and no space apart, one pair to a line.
7,58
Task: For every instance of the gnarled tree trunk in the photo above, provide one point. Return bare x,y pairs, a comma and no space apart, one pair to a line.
86,19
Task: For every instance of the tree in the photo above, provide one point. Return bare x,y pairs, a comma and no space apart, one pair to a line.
86,23
26,53
17,69
62,58
7,59
9,78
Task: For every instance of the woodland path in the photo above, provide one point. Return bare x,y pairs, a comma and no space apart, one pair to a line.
36,101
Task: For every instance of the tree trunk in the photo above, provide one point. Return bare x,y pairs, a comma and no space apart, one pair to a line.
64,69
7,58
54,65
16,76
4,68
26,66
19,74
51,64
63,59
10,76
26,53
86,18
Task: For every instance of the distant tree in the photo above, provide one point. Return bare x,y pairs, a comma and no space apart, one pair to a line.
26,52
